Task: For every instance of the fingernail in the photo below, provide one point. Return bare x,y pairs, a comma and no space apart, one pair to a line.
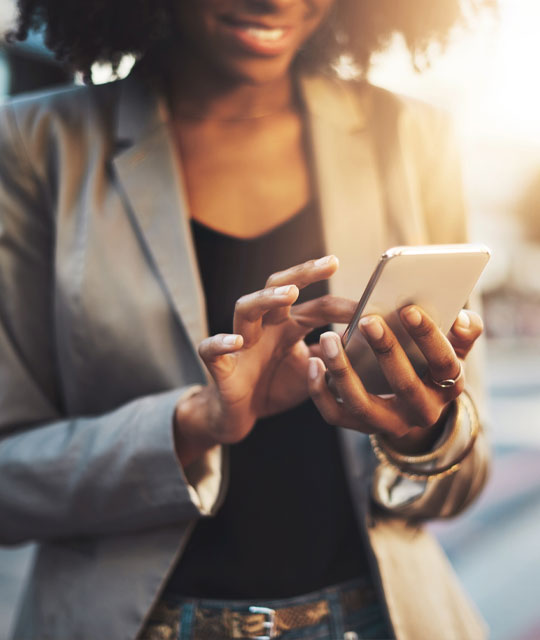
464,320
323,261
313,369
282,291
372,327
230,339
330,345
413,317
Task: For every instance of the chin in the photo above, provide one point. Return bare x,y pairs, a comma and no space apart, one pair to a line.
257,72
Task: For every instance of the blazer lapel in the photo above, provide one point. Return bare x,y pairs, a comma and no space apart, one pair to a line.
149,177
346,175
347,179
352,211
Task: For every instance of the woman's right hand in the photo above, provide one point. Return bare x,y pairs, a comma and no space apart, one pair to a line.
261,368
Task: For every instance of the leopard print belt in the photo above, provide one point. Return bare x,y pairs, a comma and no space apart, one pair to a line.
213,622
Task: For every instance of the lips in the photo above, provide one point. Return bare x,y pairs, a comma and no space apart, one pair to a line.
264,34
256,37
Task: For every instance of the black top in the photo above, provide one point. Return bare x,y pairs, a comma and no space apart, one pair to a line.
286,526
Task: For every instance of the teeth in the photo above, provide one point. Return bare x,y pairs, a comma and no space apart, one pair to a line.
266,35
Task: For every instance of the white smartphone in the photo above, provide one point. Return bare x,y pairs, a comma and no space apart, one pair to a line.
437,278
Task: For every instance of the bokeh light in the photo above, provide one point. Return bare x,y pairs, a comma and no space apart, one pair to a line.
488,80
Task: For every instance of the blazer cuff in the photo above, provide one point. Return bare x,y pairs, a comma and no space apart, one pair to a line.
203,477
393,489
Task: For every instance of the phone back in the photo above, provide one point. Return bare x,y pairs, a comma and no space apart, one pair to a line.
437,278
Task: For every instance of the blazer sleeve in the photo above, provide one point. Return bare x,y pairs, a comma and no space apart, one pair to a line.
72,476
431,163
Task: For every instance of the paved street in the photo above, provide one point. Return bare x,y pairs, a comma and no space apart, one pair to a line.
494,546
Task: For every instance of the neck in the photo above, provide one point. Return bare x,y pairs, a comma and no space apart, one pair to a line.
202,93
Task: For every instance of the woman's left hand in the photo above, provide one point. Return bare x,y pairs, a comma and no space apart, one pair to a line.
417,403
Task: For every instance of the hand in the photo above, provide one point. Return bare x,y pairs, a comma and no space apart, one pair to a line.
261,369
417,403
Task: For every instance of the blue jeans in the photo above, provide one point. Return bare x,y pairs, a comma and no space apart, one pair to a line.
350,611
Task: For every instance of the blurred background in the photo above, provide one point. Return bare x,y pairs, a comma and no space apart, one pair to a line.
488,80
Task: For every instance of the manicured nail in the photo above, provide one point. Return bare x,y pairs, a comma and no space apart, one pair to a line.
313,368
372,327
330,345
464,321
413,317
230,339
321,262
282,291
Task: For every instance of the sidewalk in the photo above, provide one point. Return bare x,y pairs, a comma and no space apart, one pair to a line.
513,381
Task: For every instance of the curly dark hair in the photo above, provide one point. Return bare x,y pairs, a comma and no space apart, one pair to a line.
81,33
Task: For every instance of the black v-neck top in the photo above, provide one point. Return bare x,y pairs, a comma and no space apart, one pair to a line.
286,526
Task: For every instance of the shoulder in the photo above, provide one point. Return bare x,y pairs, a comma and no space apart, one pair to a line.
48,116
412,120
423,133
418,120
62,103
40,130
357,104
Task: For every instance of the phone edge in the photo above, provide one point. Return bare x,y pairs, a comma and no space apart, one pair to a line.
365,297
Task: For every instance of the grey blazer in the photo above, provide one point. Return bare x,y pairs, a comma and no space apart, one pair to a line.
101,310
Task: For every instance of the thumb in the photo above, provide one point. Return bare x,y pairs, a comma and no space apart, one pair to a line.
467,328
216,353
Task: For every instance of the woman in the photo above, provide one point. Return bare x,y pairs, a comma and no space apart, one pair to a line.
135,213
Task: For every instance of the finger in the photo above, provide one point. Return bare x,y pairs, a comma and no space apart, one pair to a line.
250,309
322,311
325,401
356,400
467,328
301,275
417,402
315,350
306,273
359,409
215,352
443,362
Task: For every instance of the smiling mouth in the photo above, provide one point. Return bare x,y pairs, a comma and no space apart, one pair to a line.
263,33
257,37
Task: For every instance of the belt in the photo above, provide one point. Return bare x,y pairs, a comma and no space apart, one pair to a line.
250,622
258,623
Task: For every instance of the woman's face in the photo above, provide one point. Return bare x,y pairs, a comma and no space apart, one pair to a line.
250,40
